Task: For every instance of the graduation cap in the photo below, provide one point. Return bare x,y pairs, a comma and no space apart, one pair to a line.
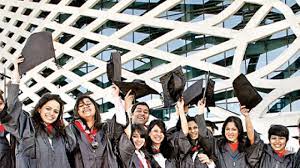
173,84
138,87
208,91
38,49
193,93
113,67
245,92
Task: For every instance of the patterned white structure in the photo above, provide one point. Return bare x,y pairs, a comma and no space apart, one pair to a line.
12,11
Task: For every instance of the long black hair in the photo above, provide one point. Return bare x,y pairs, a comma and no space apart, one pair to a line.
97,116
166,148
204,142
140,129
241,138
36,116
143,133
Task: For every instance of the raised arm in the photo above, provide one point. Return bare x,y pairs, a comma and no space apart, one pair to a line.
183,120
19,124
14,106
120,110
128,103
203,132
249,126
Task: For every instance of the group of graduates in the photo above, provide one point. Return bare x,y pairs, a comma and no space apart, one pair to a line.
42,140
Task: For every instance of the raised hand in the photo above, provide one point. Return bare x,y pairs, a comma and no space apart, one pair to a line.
244,111
249,125
201,105
116,90
128,100
179,106
16,75
180,111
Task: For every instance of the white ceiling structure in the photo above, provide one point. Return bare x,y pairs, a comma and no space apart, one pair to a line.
238,40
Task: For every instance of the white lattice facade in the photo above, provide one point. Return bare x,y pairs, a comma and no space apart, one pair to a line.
259,38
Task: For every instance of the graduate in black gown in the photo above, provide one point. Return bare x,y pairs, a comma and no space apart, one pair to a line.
7,157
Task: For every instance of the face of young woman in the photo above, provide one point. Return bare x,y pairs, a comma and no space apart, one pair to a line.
2,104
49,111
156,135
277,142
137,140
86,109
193,130
231,132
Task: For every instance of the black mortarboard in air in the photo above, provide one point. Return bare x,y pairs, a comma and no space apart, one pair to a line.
113,67
245,92
38,49
208,91
138,87
193,93
173,84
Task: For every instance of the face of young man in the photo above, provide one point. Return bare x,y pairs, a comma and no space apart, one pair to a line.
140,115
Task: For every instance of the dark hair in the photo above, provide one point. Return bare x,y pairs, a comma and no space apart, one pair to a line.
97,124
188,118
1,95
140,129
238,123
204,142
139,103
165,148
278,130
299,124
36,116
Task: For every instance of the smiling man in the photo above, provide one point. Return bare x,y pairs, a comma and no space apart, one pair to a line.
140,113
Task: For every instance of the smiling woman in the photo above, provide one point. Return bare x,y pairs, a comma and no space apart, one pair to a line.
50,111
160,149
42,140
273,154
95,139
6,147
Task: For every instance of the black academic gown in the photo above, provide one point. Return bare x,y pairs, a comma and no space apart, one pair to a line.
33,147
180,145
105,155
297,159
127,153
6,152
187,161
263,156
225,156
